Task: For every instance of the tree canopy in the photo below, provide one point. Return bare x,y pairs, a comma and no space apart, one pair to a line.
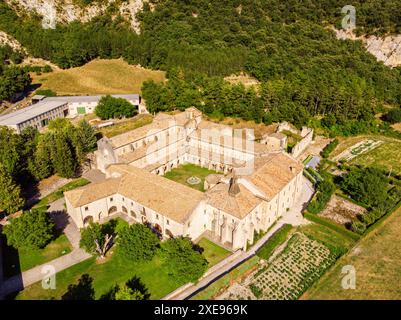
32,230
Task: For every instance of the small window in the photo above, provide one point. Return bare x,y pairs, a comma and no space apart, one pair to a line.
123,199
157,216
86,208
111,199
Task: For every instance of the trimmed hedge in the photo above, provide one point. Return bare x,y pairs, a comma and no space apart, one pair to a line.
331,225
277,239
329,148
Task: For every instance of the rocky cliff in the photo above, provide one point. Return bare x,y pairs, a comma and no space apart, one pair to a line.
64,11
387,49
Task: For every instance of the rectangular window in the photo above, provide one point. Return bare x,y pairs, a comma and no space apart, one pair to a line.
111,199
86,208
168,222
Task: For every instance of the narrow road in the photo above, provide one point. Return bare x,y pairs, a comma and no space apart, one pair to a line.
31,276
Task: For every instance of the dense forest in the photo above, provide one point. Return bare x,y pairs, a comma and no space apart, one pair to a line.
303,69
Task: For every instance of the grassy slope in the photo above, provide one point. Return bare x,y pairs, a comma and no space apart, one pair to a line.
98,77
377,261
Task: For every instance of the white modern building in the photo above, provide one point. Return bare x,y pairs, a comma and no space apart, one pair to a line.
45,109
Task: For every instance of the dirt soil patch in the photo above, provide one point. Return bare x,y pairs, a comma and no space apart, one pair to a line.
342,211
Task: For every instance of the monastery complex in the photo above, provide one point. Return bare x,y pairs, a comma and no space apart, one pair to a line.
254,184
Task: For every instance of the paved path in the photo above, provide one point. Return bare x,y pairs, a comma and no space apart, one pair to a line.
31,276
26,278
64,222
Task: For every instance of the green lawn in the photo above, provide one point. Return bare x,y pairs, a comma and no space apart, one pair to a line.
59,193
213,252
22,260
115,270
182,173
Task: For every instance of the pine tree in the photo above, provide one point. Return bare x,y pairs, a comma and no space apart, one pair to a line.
10,193
87,136
62,156
42,165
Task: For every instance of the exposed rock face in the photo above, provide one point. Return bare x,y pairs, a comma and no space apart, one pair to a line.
387,49
6,39
65,11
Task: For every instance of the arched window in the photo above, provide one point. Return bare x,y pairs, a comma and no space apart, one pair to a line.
133,214
124,209
112,209
169,233
88,220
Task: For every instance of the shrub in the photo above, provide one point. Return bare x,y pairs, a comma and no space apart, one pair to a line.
277,239
393,116
358,227
137,242
33,230
329,148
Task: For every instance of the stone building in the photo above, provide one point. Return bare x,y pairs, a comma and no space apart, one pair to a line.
236,204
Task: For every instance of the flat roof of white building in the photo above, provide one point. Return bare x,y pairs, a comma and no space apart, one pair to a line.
92,98
31,112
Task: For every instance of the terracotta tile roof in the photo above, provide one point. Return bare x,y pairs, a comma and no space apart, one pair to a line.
169,198
273,172
239,205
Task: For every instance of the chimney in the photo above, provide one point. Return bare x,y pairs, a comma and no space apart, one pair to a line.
233,189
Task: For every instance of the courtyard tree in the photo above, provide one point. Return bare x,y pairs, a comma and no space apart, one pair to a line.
10,193
110,107
182,260
137,242
97,239
32,230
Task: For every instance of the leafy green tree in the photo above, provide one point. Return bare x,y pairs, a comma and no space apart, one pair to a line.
126,293
97,239
32,230
10,193
62,156
110,107
368,186
393,116
183,262
137,242
10,151
87,136
42,166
